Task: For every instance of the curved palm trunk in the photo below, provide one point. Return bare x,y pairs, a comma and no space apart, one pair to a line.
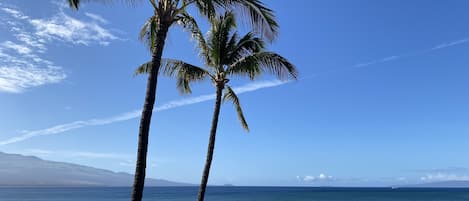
211,145
144,129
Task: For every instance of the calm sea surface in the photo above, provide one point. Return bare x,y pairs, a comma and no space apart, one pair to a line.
235,194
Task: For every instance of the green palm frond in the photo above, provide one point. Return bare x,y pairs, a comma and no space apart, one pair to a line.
206,8
230,95
75,4
173,67
219,35
184,73
154,5
247,45
253,65
261,18
191,26
247,66
232,42
148,32
143,69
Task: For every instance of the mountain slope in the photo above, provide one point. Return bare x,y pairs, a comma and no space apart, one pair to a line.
19,170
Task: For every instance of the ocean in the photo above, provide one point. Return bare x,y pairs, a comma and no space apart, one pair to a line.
236,194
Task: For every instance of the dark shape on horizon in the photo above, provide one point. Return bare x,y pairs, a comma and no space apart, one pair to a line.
19,170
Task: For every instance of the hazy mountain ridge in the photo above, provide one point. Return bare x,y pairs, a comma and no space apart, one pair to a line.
19,170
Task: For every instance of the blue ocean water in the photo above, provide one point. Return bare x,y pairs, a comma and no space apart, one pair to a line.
235,194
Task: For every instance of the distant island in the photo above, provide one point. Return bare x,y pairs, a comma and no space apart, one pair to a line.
19,170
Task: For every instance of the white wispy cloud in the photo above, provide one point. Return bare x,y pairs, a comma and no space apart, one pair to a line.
127,163
20,49
97,155
320,178
76,154
68,29
62,128
31,41
22,62
131,163
15,13
402,179
449,170
38,152
96,17
444,174
444,177
19,72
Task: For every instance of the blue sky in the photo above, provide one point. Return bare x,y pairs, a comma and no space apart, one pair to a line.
382,97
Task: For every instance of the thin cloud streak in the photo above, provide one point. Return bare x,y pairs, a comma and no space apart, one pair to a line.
75,154
62,128
96,17
450,44
416,53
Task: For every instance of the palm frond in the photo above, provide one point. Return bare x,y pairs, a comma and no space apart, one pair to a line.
253,65
184,73
75,4
230,46
219,35
261,18
191,26
247,66
148,32
249,44
230,95
143,69
154,5
206,8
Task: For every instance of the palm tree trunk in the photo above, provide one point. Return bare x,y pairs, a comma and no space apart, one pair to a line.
211,144
144,129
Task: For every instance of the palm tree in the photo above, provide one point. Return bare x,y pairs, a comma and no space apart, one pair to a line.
225,55
165,14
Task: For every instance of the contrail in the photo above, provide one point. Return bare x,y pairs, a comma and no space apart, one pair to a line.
59,129
391,58
62,128
450,44
412,54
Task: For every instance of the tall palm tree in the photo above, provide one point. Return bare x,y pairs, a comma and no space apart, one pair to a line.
165,14
225,55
